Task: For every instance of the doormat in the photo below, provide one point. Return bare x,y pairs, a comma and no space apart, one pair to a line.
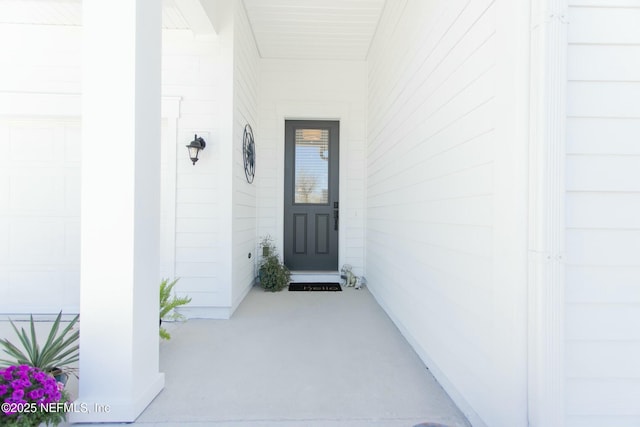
330,287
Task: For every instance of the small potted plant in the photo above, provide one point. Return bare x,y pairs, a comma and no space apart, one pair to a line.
168,302
273,274
55,356
31,397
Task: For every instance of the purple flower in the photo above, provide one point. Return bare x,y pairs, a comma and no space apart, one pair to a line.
40,376
49,388
36,394
7,374
24,385
21,383
18,394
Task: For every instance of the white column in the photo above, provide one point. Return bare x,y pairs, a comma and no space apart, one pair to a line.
120,209
546,213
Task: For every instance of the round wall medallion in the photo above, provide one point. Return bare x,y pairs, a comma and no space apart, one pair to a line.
249,153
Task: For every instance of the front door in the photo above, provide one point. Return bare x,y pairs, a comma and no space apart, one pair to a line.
311,195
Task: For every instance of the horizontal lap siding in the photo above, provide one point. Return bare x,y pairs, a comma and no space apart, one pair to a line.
331,90
245,65
432,213
40,174
192,69
47,61
603,211
41,59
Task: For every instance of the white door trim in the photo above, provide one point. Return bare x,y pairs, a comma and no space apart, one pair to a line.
311,111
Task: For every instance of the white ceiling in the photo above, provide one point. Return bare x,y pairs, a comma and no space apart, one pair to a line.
41,12
286,29
69,13
314,29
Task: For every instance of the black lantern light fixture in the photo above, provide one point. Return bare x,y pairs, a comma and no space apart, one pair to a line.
195,146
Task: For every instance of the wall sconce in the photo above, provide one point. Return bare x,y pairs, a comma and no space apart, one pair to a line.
195,146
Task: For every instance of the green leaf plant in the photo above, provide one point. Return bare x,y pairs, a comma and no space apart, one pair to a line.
58,352
274,275
168,302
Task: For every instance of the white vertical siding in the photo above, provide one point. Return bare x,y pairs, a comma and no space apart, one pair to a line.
245,88
603,214
322,90
444,196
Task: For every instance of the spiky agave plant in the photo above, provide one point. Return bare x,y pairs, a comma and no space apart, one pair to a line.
168,302
58,352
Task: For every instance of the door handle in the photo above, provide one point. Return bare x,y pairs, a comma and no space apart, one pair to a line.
335,219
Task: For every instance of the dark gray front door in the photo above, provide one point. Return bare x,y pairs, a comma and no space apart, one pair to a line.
311,195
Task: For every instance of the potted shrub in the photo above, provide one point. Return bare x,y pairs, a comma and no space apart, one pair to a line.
31,397
273,274
59,351
168,302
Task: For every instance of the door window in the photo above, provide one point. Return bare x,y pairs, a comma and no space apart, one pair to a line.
311,166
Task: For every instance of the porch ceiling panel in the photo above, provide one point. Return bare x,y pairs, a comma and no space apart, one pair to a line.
69,13
314,29
41,12
284,29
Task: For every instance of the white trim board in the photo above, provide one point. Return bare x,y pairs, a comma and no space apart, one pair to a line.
546,247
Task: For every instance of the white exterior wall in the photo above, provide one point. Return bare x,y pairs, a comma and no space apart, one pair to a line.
47,59
603,221
432,171
446,195
40,169
245,99
195,69
39,213
317,90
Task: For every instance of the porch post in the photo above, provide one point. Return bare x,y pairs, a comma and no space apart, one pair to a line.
546,213
120,210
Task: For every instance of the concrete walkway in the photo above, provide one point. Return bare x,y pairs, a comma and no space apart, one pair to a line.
297,359
303,359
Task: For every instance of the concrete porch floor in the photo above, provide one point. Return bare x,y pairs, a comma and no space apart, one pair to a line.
295,359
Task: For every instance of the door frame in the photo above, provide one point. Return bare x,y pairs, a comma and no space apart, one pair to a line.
333,187
312,111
